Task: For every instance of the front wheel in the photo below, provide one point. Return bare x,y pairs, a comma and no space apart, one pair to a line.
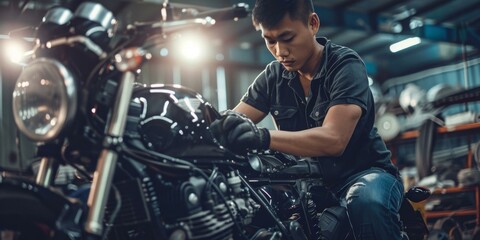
29,211
28,231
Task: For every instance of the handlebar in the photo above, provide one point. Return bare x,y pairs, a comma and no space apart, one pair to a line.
239,10
177,25
207,18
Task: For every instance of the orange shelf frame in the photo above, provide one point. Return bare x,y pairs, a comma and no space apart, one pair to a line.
453,190
463,212
415,133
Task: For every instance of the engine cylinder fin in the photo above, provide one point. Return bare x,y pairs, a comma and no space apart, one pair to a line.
216,224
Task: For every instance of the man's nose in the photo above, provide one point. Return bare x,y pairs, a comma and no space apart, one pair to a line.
282,50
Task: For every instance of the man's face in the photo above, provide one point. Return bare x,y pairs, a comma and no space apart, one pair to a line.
291,42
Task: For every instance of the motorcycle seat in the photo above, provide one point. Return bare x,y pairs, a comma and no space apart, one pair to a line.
417,194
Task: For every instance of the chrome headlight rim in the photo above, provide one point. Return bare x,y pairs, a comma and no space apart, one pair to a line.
67,108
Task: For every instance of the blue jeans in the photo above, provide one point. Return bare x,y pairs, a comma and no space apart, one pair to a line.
373,200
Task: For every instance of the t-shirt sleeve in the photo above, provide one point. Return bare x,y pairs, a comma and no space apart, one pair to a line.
258,92
349,84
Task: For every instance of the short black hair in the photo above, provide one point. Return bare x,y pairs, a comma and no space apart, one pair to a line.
270,12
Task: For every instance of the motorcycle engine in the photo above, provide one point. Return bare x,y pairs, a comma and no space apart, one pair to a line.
195,209
182,206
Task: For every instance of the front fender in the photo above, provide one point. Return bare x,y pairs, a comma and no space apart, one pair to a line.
23,202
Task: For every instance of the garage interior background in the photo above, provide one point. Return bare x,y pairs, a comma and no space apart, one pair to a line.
446,58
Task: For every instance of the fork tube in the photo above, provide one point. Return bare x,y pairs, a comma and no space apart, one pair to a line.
47,171
102,178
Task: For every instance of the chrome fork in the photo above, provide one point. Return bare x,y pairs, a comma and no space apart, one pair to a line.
127,61
47,171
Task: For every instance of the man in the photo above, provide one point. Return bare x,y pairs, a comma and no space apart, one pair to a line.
318,94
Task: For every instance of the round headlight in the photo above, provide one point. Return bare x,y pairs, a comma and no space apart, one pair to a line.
44,99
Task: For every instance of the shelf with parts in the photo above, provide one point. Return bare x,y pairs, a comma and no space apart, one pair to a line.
413,134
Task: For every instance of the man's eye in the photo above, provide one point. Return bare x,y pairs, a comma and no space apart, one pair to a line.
270,42
288,39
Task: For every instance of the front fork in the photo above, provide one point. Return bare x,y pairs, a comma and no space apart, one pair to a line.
47,171
102,178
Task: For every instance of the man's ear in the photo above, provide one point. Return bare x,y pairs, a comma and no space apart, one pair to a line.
314,23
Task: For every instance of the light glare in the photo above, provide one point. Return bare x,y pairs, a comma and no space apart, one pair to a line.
14,51
163,52
192,47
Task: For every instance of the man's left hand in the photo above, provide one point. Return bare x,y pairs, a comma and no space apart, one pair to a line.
239,134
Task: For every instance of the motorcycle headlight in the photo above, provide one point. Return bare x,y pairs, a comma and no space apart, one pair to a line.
44,99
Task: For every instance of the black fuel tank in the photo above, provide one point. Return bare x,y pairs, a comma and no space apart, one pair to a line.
173,120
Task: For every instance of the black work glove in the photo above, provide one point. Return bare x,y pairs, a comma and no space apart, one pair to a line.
239,134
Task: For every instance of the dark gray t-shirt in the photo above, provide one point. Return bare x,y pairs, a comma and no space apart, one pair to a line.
342,79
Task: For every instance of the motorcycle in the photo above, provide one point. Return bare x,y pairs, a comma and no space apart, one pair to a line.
152,168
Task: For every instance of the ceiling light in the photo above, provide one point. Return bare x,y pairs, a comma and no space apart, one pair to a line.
405,44
396,27
415,23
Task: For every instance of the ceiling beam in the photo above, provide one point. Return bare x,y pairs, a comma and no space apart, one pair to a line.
473,22
374,23
386,6
345,4
461,12
430,7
